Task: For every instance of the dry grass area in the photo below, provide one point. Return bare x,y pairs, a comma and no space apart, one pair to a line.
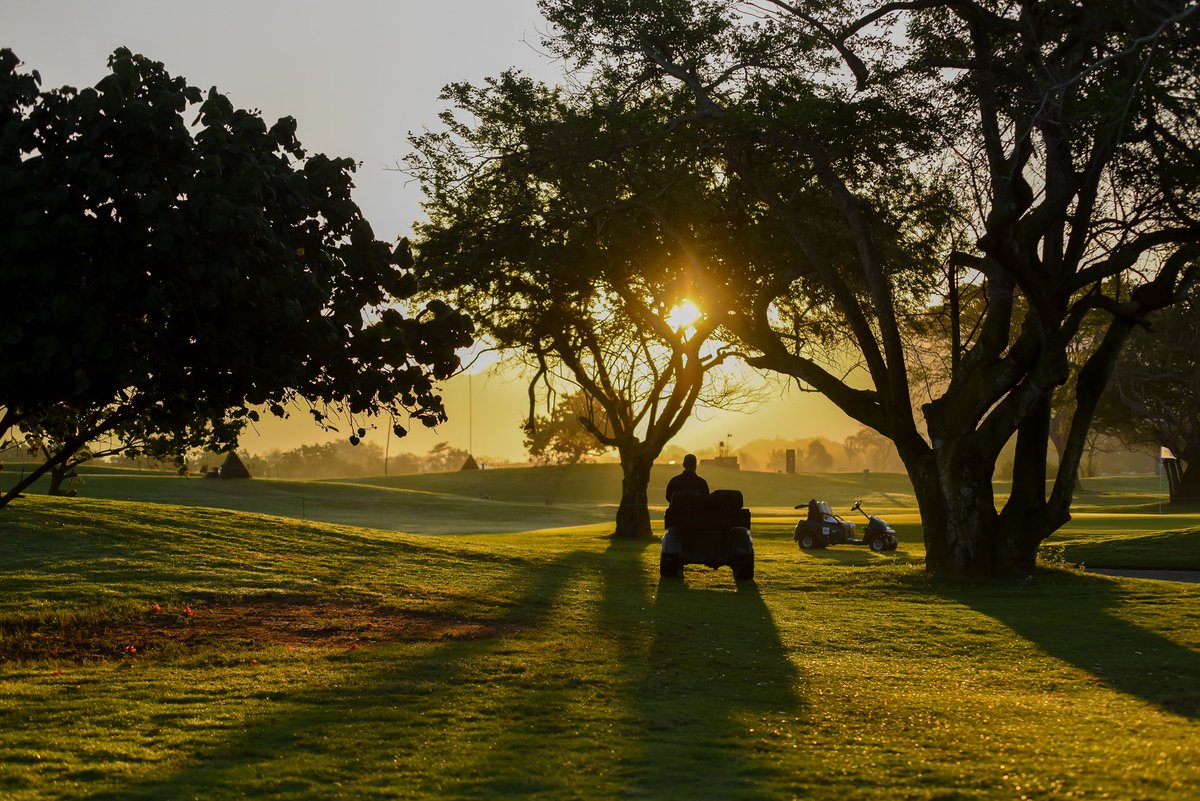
270,621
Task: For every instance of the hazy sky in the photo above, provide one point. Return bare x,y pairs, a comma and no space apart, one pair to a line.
357,75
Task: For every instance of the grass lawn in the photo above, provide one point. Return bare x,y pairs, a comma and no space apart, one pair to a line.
169,651
1119,521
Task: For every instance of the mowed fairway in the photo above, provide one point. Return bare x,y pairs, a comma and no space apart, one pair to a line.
160,650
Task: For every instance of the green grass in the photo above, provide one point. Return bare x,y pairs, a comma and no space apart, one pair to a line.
1119,521
553,663
1122,521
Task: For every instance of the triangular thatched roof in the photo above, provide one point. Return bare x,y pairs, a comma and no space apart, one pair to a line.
234,467
470,464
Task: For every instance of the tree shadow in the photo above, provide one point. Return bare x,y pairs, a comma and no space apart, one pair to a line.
346,730
682,676
705,668
852,555
1068,617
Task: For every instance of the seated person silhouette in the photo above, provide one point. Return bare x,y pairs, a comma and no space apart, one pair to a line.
687,481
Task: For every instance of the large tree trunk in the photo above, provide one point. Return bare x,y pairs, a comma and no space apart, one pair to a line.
1188,490
968,511
1024,522
964,534
633,515
59,473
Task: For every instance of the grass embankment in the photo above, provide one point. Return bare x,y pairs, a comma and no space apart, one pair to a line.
554,664
1119,521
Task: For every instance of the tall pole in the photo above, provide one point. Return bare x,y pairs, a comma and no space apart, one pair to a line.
470,414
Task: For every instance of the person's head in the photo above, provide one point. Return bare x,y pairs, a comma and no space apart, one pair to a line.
689,462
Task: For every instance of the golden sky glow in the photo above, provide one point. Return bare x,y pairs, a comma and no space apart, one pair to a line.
356,77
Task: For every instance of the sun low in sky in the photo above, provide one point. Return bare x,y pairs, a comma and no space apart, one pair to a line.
684,316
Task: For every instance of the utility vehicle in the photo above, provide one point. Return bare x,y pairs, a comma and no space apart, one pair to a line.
712,530
823,528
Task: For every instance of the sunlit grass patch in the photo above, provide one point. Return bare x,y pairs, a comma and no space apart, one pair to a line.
557,664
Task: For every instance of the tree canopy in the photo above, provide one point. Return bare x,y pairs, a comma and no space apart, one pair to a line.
1043,155
165,256
560,437
575,252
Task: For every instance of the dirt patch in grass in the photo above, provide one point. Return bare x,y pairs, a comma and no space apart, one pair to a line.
265,622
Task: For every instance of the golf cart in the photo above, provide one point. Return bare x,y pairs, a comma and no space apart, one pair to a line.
823,528
711,530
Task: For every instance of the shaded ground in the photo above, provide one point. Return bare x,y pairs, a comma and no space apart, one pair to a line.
260,622
1186,576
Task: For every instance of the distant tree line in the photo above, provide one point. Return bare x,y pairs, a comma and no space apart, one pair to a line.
340,459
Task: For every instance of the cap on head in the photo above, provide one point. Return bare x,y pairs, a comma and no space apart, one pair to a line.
689,462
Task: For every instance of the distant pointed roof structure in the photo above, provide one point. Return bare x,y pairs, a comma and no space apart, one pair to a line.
234,467
470,464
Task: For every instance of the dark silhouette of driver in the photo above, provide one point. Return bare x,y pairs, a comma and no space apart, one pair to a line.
687,481
814,512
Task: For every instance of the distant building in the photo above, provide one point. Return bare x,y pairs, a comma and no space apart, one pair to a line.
234,467
728,462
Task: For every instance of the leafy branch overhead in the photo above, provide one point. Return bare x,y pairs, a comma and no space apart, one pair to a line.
176,258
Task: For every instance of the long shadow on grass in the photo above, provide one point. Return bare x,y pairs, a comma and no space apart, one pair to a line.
705,668
430,724
1068,618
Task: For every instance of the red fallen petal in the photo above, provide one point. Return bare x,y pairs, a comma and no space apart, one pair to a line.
353,645
254,661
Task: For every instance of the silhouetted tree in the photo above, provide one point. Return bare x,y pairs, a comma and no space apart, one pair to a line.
1155,396
571,251
1063,137
444,457
817,458
875,450
565,435
52,436
166,257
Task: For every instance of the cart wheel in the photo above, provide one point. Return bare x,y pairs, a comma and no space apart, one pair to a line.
878,544
891,544
743,568
808,541
670,566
